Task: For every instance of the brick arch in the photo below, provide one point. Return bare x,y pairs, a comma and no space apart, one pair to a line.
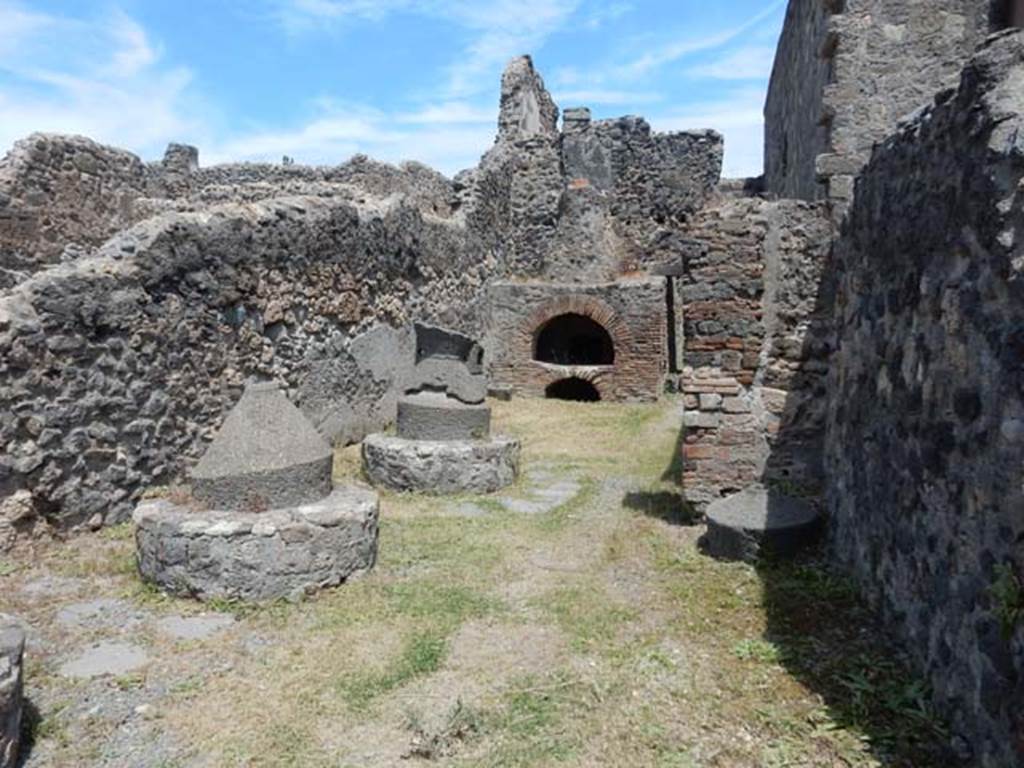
576,304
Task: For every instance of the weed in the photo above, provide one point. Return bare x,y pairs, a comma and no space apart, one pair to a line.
1008,598
757,650
460,725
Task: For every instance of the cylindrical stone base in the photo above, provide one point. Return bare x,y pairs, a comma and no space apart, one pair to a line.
431,416
12,648
758,522
436,466
257,557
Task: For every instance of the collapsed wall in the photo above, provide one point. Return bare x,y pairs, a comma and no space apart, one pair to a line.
60,191
591,202
925,426
63,196
118,366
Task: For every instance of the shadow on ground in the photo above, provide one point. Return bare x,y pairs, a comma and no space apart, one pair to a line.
818,627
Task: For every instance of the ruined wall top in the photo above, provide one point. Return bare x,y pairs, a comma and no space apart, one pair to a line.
527,108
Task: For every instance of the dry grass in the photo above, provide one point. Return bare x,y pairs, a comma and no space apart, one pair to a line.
594,635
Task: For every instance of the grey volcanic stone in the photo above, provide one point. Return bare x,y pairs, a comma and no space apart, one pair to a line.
266,454
105,659
759,521
246,556
452,466
12,648
434,416
194,627
449,362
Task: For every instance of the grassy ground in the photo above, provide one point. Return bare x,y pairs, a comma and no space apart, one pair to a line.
595,634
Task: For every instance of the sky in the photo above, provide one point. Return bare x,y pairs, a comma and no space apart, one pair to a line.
320,80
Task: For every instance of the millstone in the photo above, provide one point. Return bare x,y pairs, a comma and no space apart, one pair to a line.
441,466
758,521
242,556
434,416
265,455
12,648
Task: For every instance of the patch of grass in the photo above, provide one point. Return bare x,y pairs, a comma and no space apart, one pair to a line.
755,649
422,654
586,615
462,724
528,725
443,604
130,682
121,532
7,568
559,517
819,625
1008,599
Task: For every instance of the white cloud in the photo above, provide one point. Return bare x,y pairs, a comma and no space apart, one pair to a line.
608,13
749,63
450,112
675,50
101,78
738,118
499,29
332,138
604,96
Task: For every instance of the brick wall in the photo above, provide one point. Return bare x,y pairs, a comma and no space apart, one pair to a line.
634,312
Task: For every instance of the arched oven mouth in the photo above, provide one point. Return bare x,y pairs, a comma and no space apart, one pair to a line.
573,340
573,388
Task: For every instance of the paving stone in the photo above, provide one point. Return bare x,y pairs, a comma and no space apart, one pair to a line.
194,627
107,658
102,612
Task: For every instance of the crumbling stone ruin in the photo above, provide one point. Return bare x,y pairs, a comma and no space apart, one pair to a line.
848,327
443,442
262,519
12,648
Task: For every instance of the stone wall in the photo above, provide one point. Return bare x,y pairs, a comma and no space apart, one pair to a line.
118,366
633,312
878,60
755,345
592,202
63,196
925,428
59,192
795,132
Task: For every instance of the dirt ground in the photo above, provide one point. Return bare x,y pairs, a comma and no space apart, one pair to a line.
570,621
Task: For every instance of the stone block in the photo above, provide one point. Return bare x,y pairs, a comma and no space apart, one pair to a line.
701,420
711,401
735,405
12,648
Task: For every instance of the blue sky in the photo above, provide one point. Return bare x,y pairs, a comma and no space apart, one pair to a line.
320,80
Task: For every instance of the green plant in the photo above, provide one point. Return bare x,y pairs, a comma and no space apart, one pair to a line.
1008,598
422,654
757,650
